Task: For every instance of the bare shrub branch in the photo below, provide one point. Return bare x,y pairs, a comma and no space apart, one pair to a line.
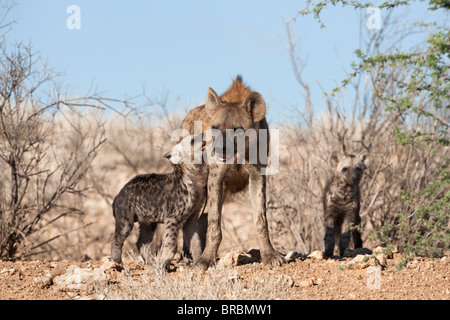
47,144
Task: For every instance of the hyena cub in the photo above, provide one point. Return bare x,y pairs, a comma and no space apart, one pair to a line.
341,199
174,199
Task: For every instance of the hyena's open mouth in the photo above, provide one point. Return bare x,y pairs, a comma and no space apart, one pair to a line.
224,152
222,155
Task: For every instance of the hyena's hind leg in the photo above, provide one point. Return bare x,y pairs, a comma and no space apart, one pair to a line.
169,247
146,235
124,226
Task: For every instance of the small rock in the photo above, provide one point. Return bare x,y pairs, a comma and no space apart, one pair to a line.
285,280
8,270
317,255
236,258
44,281
77,278
306,283
382,260
109,264
362,262
380,255
291,255
229,259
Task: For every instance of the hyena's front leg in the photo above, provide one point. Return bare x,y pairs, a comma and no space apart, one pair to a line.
344,242
169,247
329,233
257,189
339,242
214,232
356,234
329,241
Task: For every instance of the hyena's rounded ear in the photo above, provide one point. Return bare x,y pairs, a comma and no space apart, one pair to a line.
256,106
363,156
212,101
333,160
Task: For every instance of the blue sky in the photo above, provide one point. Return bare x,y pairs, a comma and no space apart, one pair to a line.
184,47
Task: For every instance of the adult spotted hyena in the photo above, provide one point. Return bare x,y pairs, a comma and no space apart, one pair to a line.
174,199
239,108
341,201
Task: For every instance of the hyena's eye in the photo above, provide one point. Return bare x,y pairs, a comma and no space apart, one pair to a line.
344,169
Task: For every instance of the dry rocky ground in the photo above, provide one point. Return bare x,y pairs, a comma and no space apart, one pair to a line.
238,275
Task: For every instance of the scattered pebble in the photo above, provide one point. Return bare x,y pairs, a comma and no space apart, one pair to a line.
316,255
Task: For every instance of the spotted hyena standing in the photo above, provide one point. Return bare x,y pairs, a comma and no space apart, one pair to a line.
341,201
238,109
174,199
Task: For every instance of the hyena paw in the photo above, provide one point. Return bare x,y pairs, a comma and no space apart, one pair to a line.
203,263
272,258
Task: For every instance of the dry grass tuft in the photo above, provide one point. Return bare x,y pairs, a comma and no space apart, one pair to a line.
152,282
